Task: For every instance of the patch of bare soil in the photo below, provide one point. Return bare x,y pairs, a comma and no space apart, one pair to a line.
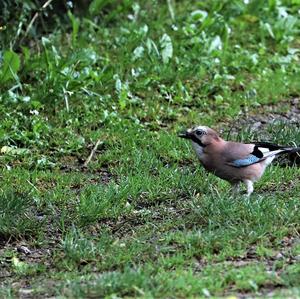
34,257
74,164
286,112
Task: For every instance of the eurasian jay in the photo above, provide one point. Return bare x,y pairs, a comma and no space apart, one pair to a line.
232,161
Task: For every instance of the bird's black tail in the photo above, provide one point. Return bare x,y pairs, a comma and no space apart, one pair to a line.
281,148
290,150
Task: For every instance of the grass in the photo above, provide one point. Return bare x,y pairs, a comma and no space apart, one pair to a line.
143,219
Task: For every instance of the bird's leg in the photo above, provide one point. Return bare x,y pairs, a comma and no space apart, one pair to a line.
249,185
235,187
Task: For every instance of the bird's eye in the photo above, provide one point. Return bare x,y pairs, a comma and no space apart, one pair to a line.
199,133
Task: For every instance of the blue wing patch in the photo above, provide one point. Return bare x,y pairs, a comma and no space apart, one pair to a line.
249,160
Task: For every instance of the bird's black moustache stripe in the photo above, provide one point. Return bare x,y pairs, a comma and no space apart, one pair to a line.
196,140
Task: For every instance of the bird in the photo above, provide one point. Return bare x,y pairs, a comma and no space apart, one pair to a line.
234,162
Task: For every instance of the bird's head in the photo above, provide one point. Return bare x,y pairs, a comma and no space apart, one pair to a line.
200,135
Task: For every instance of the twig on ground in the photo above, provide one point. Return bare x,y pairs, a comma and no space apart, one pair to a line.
92,153
47,3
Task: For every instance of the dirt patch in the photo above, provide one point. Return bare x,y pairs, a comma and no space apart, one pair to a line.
283,112
73,164
78,163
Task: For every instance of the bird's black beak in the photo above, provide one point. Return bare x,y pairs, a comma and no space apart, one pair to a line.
185,134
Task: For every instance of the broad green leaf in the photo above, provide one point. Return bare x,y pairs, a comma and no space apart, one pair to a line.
269,29
216,44
199,15
26,55
86,56
75,27
123,98
10,66
18,265
250,18
45,41
118,83
167,48
13,150
151,46
138,52
282,12
96,6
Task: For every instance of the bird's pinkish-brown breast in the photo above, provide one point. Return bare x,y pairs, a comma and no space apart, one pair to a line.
217,155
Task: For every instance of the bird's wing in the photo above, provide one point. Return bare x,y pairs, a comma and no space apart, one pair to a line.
269,146
246,161
260,152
